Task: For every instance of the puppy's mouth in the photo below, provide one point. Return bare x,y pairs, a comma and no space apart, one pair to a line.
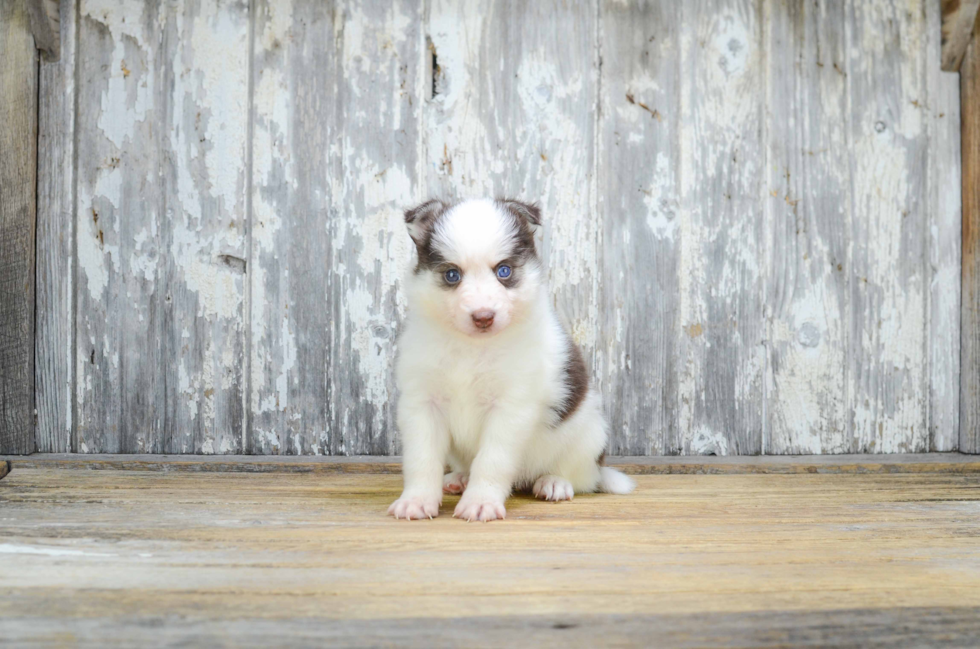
483,331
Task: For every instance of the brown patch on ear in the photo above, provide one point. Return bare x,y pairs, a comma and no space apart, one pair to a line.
420,222
530,213
576,379
421,219
526,216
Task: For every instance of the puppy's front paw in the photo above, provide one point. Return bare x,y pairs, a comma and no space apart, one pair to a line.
414,507
455,482
479,508
552,487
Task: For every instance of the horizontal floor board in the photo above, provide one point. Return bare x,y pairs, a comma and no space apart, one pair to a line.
776,464
141,558
894,628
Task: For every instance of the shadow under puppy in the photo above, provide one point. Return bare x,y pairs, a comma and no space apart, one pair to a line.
491,383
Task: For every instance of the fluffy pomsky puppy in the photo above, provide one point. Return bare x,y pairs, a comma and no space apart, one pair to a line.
491,384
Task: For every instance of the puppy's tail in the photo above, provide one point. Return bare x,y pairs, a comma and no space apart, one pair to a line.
612,481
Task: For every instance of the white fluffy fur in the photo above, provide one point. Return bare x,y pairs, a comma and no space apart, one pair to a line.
481,401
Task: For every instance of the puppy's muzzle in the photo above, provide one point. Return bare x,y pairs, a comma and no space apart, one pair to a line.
483,318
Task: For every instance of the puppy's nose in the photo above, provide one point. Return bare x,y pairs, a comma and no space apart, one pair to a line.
483,318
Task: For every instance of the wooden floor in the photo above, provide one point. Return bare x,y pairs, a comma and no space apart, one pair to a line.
182,557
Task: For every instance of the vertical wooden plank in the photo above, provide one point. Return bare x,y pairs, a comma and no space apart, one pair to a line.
809,217
205,175
382,56
18,184
335,148
887,375
721,360
54,346
970,320
294,100
945,201
160,226
295,148
119,325
513,113
640,207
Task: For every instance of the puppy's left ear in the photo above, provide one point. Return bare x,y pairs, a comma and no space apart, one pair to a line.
528,212
420,220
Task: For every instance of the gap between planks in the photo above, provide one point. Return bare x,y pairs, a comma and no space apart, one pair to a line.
953,463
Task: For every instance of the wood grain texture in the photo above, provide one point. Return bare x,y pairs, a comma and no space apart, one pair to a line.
18,183
369,249
54,346
942,114
680,155
887,375
640,203
970,319
877,628
120,401
808,214
295,144
160,219
46,26
750,215
110,555
721,366
722,278
338,152
958,19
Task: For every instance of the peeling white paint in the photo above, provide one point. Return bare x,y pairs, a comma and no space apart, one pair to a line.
705,441
220,56
187,389
661,200
288,361
701,204
91,261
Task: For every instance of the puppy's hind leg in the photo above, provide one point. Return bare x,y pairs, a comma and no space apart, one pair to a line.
553,487
455,482
576,469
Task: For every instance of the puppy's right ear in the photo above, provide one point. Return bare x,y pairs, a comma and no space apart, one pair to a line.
421,219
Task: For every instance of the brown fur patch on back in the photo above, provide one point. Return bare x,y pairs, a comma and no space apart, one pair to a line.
576,381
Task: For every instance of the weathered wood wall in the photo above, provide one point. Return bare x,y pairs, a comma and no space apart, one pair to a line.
970,321
752,214
18,176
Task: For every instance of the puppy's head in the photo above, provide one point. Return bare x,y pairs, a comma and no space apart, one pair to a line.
477,269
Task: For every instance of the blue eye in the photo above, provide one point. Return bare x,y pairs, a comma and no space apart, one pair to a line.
503,272
452,276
